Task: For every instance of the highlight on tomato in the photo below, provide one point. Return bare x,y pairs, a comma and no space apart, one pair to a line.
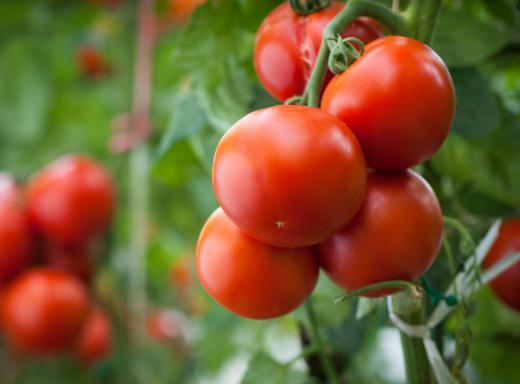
249,278
289,176
396,235
398,99
287,45
71,200
95,341
43,310
507,285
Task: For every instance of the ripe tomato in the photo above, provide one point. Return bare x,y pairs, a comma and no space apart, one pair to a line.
43,310
249,278
396,234
77,261
164,326
91,62
16,241
287,45
71,200
507,285
399,101
95,340
289,175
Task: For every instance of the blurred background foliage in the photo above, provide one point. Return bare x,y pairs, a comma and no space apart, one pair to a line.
203,81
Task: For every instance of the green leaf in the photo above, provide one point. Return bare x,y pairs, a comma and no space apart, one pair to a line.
263,369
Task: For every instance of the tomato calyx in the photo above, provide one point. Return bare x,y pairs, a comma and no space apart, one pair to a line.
343,52
306,7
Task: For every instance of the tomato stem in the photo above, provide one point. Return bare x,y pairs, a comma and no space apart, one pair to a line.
396,284
355,8
421,16
306,7
328,367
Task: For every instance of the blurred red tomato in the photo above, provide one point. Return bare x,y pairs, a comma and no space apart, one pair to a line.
181,275
96,339
71,200
43,311
164,326
507,285
91,62
16,241
77,261
181,10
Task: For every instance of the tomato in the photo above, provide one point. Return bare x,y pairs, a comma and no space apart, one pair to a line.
181,10
43,310
71,200
249,278
287,45
164,326
289,175
16,241
91,62
507,285
396,234
399,101
77,261
180,274
95,341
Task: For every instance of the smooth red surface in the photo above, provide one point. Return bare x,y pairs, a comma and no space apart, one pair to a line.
43,311
16,240
399,101
96,340
71,200
287,45
507,285
395,236
77,261
249,278
289,175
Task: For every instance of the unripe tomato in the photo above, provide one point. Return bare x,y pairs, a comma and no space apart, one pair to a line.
287,45
16,241
396,234
71,200
95,341
77,261
164,326
43,310
398,99
289,175
507,285
91,62
249,278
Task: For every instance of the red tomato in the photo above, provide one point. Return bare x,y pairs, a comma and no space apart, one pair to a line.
181,10
249,278
91,62
180,273
95,341
507,285
289,175
396,234
43,310
399,101
164,326
16,241
78,262
287,45
71,200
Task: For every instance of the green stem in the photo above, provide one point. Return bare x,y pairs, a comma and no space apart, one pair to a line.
328,368
354,9
397,284
422,18
417,366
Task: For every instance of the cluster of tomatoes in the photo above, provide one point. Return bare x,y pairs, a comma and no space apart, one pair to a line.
50,231
302,188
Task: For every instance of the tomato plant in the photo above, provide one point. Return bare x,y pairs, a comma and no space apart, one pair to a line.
95,341
43,310
71,200
17,246
287,45
399,101
289,175
396,234
264,281
507,285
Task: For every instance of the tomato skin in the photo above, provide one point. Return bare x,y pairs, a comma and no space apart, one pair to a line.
289,176
252,279
396,234
287,45
77,261
16,241
399,101
96,340
507,285
43,310
71,200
